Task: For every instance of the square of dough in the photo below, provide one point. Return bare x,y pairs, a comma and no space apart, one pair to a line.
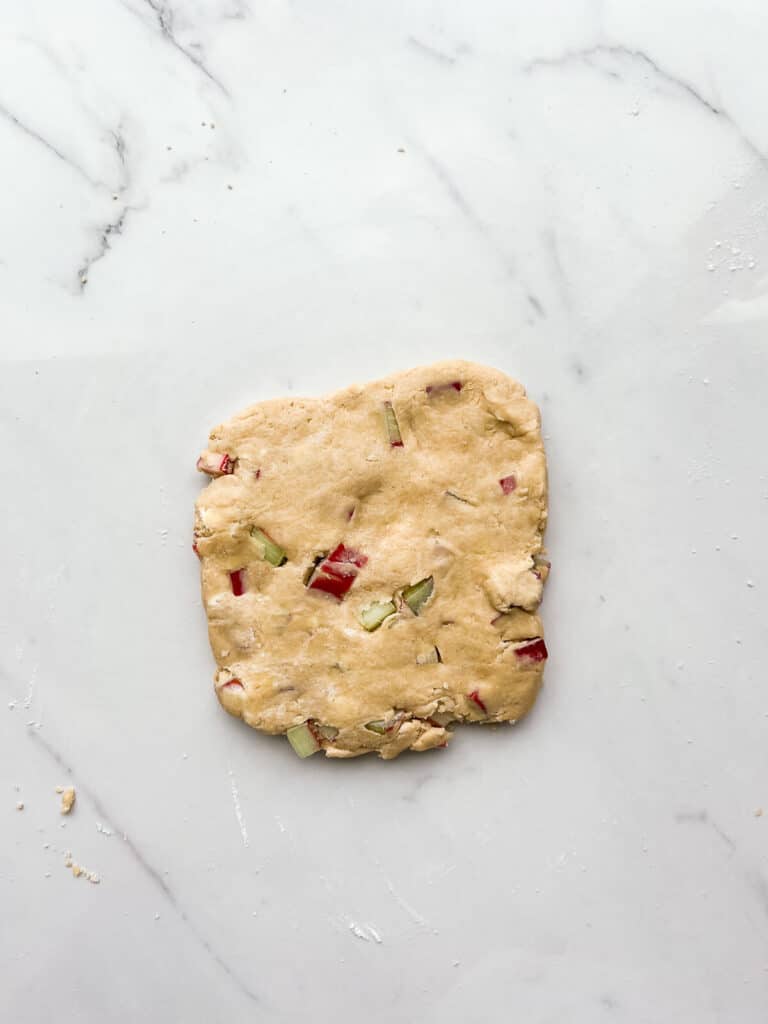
435,476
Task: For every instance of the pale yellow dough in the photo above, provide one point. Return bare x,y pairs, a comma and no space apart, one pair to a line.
287,654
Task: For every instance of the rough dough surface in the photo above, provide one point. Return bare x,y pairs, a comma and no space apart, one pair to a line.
462,499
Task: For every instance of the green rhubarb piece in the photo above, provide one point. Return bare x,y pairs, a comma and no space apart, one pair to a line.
430,656
393,429
373,616
418,594
377,727
272,552
303,740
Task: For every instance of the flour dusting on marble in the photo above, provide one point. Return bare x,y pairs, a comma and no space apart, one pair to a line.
238,808
406,906
365,932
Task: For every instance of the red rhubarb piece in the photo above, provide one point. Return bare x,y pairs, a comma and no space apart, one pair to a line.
233,684
435,389
336,573
237,579
215,463
344,554
508,483
475,696
337,586
532,650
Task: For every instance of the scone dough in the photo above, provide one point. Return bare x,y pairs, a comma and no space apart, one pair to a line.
438,472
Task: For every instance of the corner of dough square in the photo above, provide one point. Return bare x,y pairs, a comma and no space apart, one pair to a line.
372,561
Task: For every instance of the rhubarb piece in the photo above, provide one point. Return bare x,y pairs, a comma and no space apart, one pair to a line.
532,650
303,740
342,555
418,594
378,727
373,616
430,656
508,483
237,579
225,681
336,586
461,498
311,569
215,463
270,551
476,699
393,430
335,574
436,389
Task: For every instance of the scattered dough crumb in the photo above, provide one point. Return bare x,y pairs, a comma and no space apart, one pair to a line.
78,870
758,812
67,798
20,806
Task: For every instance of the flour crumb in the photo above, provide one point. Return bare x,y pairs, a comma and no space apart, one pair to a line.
20,805
759,812
67,798
79,871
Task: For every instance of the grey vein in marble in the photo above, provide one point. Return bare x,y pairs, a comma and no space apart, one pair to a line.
25,128
149,869
588,56
106,234
164,16
430,51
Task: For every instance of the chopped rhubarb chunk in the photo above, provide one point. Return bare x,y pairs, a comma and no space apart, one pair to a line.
393,429
434,389
195,549
336,586
233,684
344,554
215,463
270,551
328,732
532,650
508,483
430,656
459,497
418,594
378,727
303,740
475,697
373,616
335,574
237,579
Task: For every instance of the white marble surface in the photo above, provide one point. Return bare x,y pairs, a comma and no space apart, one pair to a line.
210,202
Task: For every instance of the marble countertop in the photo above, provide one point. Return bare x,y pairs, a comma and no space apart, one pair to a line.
213,202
